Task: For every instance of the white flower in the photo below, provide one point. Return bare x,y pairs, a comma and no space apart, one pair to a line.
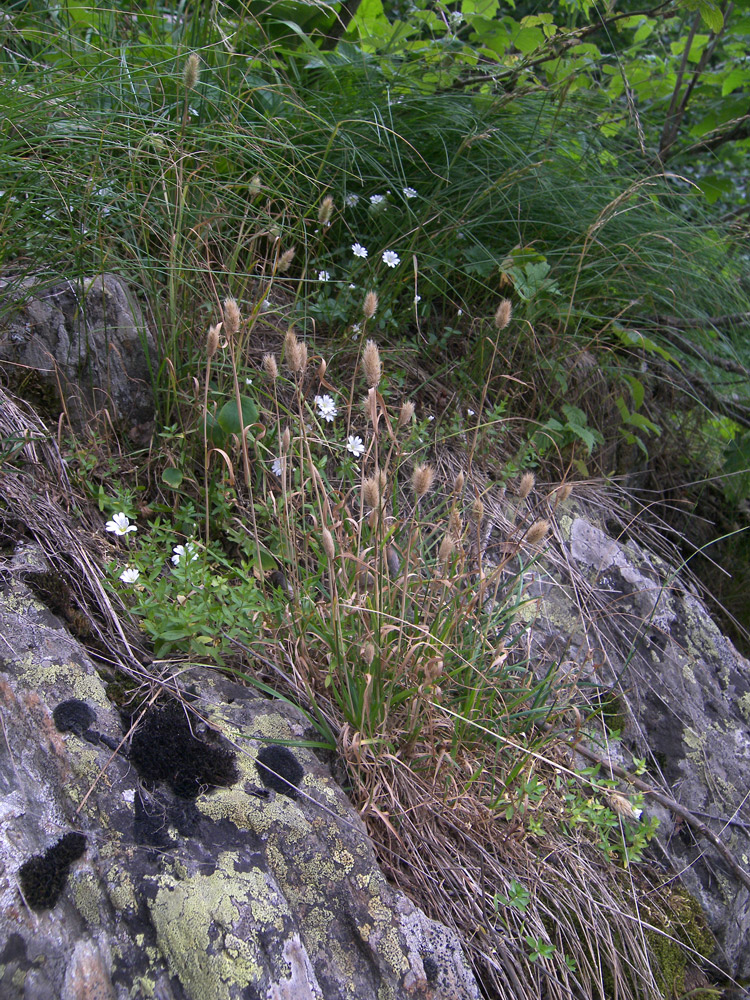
417,299
276,467
469,412
355,446
352,286
248,381
430,417
455,18
409,192
351,200
130,574
327,409
460,312
391,258
377,199
120,524
324,276
358,250
188,551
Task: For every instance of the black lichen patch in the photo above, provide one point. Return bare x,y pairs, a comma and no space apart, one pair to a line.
430,969
73,716
280,770
164,748
43,877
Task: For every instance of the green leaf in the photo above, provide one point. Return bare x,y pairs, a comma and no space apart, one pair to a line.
172,477
228,416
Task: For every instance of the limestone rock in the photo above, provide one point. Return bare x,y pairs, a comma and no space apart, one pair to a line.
254,882
683,694
86,342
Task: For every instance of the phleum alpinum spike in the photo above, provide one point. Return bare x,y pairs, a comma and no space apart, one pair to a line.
285,260
405,413
422,479
372,364
526,484
326,210
212,341
503,314
192,71
231,317
270,367
536,532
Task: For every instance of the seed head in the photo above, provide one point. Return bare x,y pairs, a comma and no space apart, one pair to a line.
322,368
447,548
536,532
564,492
503,314
477,510
368,653
270,367
455,528
372,364
295,352
212,341
285,260
370,306
405,413
191,71
371,491
624,806
526,485
458,485
255,186
327,542
422,479
231,317
286,440
325,211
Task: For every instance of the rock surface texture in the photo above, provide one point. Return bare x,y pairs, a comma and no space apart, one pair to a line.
682,694
85,343
193,865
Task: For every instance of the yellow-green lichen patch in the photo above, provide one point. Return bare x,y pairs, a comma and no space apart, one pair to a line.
142,987
744,706
85,687
87,895
187,915
121,890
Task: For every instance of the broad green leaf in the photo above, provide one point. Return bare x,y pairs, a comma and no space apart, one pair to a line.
228,416
172,477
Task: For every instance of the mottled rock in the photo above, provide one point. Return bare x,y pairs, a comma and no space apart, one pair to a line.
87,344
233,890
682,696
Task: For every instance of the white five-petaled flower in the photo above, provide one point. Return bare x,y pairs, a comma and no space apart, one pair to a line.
391,258
327,408
324,276
130,574
351,200
186,551
276,467
409,192
358,250
377,199
352,286
248,381
355,446
120,524
469,412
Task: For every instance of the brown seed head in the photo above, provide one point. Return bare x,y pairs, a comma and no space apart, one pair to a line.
455,528
406,413
372,364
536,532
295,352
212,341
269,366
564,492
231,317
526,485
286,440
325,211
371,491
327,541
368,653
285,260
192,71
447,548
503,314
422,479
477,510
370,306
458,486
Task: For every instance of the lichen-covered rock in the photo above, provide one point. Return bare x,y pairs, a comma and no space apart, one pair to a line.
86,342
683,695
216,870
